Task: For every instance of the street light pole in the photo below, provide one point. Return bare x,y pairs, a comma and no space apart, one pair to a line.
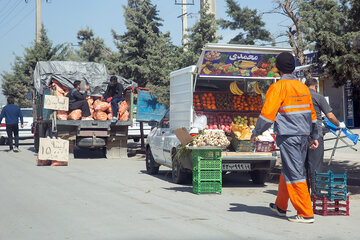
38,21
184,24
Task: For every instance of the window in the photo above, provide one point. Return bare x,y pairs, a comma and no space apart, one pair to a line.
27,112
165,121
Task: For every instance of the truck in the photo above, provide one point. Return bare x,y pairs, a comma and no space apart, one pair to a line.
197,90
107,135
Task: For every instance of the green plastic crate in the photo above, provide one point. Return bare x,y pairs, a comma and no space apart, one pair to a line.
211,175
241,145
207,187
205,164
209,154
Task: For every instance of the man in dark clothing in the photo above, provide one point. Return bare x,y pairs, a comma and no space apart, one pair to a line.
114,95
315,157
12,113
77,100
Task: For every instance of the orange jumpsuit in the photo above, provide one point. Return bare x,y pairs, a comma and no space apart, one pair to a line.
288,105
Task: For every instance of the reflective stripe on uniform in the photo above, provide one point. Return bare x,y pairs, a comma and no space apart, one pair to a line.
297,112
265,119
295,106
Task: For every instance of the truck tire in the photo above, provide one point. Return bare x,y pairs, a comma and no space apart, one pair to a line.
259,177
179,176
152,167
136,140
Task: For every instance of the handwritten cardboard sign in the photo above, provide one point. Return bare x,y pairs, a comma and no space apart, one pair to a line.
54,149
56,103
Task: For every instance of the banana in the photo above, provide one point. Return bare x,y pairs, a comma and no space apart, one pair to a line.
257,89
235,89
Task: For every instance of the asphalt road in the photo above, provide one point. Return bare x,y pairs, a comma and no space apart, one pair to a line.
95,198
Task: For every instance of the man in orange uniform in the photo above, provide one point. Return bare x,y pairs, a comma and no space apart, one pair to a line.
288,105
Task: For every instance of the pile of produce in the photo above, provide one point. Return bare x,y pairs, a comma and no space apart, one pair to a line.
245,121
210,138
255,102
240,103
235,89
242,132
225,123
208,101
212,121
224,102
196,102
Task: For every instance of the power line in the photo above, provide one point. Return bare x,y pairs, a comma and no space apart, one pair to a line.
10,11
7,3
18,23
18,13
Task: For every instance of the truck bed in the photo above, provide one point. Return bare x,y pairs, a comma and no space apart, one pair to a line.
92,123
253,156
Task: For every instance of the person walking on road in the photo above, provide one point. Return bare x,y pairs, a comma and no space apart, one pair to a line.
12,113
315,157
77,100
114,95
288,105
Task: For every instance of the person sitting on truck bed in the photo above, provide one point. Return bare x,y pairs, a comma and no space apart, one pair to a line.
114,95
77,100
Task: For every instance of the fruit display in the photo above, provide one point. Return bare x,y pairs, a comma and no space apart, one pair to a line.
266,67
196,102
240,103
252,122
224,101
241,132
208,101
211,138
235,89
212,122
257,89
255,102
225,122
241,120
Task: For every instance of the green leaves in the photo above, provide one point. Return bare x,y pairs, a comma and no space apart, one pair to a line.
248,22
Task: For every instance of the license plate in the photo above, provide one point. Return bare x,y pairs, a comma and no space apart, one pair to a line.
236,166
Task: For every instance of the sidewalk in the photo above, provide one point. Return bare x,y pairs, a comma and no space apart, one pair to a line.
345,159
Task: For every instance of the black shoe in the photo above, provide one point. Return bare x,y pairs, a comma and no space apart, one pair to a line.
277,210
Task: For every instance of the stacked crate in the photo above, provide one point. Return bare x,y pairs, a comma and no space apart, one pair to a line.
207,170
330,196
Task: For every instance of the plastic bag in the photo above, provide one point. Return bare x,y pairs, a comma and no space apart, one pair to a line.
101,106
110,116
75,115
42,162
101,116
123,107
90,102
58,163
61,115
200,121
60,90
124,117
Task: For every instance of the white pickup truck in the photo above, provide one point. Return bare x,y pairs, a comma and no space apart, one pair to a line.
162,144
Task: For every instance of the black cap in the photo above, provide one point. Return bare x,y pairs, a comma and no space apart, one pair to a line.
285,62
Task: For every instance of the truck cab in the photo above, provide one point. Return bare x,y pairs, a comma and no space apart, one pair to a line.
219,65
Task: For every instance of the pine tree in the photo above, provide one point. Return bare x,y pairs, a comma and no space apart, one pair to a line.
330,26
92,49
145,53
247,21
17,82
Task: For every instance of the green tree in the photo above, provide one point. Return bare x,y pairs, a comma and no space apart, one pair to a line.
145,54
247,21
92,49
332,27
17,82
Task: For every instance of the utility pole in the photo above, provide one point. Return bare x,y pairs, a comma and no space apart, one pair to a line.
184,24
38,21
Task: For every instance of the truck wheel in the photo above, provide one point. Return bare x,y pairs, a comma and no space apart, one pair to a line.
152,167
179,176
136,140
2,141
36,143
258,177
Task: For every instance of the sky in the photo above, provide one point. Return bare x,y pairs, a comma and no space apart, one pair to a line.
63,18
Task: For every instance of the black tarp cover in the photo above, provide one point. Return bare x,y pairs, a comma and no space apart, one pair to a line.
66,72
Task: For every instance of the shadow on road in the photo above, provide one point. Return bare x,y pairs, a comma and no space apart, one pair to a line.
180,189
260,210
272,192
